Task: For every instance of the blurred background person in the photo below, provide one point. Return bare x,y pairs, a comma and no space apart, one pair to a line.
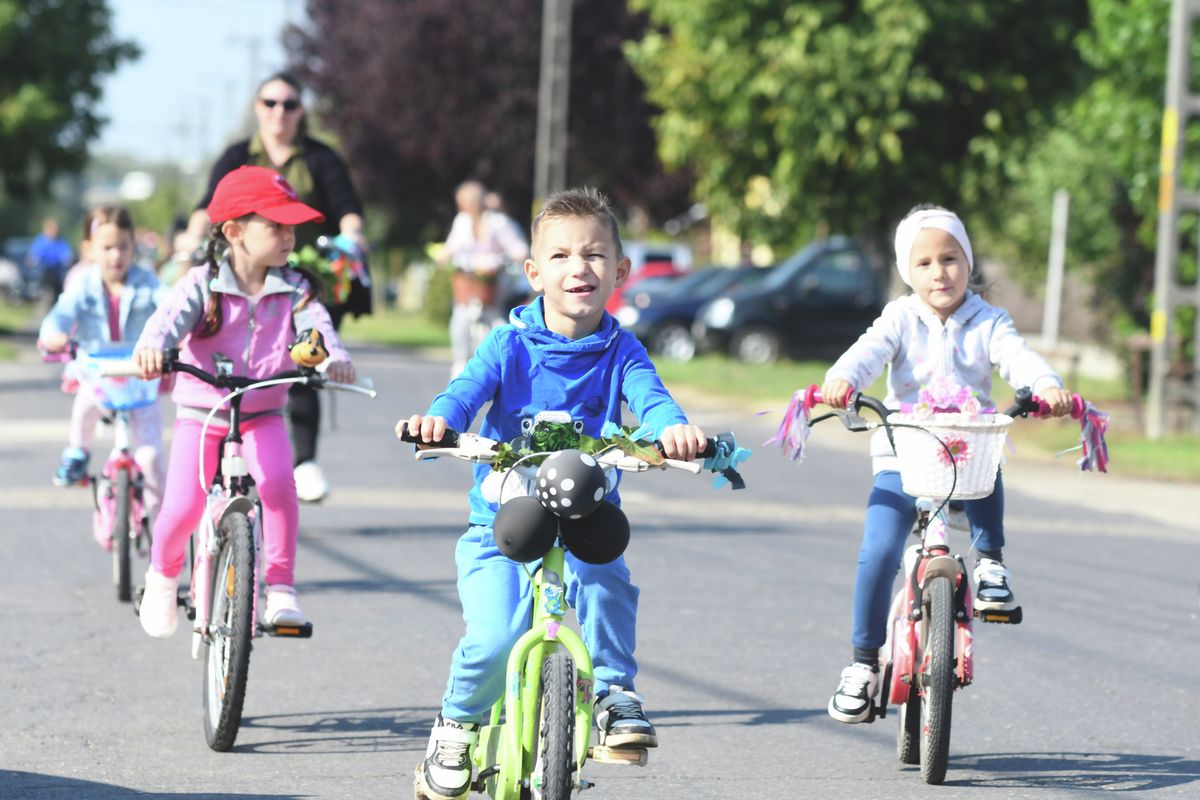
49,258
481,243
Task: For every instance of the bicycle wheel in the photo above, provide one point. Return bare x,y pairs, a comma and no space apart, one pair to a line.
120,535
938,681
556,731
232,626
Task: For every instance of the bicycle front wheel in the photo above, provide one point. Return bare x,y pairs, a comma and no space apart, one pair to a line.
231,629
121,489
938,681
553,774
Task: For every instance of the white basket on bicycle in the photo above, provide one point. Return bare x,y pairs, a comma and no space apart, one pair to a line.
113,393
975,443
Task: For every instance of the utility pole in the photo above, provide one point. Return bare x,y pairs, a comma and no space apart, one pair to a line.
1054,278
550,157
1169,293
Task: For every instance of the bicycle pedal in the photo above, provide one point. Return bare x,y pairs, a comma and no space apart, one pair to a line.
613,755
304,631
1010,616
183,599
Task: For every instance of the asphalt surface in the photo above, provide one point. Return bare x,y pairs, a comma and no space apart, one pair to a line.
743,629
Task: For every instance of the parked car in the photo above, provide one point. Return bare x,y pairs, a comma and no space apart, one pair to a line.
814,304
650,259
661,311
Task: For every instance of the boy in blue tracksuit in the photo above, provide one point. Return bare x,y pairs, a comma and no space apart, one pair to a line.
563,353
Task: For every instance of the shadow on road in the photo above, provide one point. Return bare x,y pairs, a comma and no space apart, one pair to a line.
1109,772
324,732
33,785
667,718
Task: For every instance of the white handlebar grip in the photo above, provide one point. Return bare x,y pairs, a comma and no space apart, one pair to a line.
124,368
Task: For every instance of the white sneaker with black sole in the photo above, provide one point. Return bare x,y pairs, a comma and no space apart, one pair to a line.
622,722
855,693
992,589
445,774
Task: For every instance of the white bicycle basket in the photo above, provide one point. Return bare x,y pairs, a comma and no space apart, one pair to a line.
976,444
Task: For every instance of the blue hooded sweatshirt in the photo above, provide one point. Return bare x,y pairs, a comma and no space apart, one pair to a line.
523,368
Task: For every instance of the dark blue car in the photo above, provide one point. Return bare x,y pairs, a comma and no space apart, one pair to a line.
660,311
813,305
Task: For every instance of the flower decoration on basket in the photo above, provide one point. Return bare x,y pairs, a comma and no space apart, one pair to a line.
943,395
957,450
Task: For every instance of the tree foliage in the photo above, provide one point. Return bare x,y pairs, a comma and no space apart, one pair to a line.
54,54
1105,152
795,114
424,94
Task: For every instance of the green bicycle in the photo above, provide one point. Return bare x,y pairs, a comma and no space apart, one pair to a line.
539,734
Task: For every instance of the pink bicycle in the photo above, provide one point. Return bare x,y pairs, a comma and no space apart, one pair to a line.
120,513
929,650
226,583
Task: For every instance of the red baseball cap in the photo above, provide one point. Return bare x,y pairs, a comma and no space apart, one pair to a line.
262,191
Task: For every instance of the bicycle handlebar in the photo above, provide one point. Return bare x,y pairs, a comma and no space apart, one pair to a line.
171,363
478,449
1025,404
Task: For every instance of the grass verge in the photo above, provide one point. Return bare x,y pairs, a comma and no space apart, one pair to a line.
765,387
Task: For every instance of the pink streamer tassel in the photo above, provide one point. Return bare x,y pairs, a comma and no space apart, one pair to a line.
793,429
1093,424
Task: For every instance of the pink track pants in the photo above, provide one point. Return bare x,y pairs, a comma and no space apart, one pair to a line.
268,454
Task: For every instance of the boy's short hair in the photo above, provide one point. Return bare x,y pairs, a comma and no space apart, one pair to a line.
584,201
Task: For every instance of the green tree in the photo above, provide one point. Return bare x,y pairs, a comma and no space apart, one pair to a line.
54,53
1105,152
794,115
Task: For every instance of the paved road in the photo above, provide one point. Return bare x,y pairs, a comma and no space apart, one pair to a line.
743,628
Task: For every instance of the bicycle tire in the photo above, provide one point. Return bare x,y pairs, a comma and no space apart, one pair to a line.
227,656
938,681
121,542
556,729
908,738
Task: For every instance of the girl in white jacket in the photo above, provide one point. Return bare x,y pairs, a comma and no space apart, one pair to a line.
942,332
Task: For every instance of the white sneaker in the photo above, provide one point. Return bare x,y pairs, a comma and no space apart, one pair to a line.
622,722
159,612
283,607
992,589
311,486
855,693
445,774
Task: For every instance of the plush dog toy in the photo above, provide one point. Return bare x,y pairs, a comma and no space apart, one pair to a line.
309,349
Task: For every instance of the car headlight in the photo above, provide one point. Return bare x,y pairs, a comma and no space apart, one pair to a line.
720,313
627,316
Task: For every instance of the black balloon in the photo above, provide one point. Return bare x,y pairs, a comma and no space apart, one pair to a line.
570,483
524,530
598,538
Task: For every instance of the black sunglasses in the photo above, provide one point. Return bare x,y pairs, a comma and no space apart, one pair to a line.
288,105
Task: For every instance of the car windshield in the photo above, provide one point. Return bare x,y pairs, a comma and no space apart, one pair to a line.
782,275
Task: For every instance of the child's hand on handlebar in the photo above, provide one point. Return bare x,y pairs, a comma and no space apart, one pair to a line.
54,342
430,429
150,361
834,392
1059,400
340,372
683,442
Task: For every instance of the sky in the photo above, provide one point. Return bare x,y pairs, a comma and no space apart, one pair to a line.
185,98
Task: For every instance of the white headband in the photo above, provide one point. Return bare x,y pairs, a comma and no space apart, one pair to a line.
940,218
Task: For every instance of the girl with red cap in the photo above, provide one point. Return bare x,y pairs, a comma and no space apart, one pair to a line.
248,305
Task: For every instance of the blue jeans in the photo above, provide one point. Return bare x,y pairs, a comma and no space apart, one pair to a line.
496,598
889,521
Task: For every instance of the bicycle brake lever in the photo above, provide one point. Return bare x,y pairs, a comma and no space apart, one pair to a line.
853,421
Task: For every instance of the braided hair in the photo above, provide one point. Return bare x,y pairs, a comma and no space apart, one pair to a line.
218,246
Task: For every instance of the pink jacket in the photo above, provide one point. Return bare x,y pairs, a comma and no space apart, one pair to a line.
255,332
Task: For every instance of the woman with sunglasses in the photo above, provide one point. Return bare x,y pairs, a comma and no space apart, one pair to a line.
322,181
